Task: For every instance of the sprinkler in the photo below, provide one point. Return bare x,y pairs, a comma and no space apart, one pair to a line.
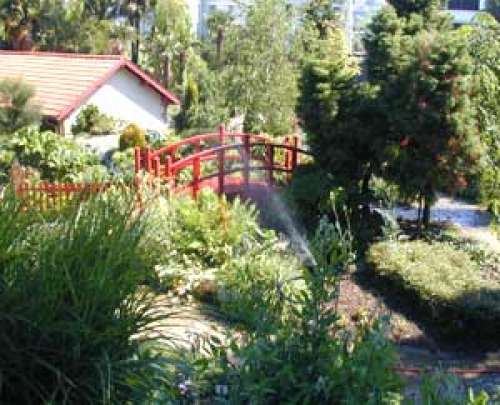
308,261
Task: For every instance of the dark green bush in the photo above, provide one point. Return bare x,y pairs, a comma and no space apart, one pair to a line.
308,193
71,311
444,283
91,121
132,136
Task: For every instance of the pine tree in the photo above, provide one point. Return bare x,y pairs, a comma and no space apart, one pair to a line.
434,140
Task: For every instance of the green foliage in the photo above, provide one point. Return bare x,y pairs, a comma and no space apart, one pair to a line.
91,121
445,283
198,234
210,110
424,73
132,136
168,45
124,164
70,307
53,157
434,78
443,389
484,46
308,193
303,355
190,104
16,106
406,7
259,78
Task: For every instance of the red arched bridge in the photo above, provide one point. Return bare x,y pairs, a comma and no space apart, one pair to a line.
227,162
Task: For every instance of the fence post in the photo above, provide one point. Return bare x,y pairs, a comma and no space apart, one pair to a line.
295,157
156,166
168,172
220,155
287,152
137,157
196,176
222,134
270,162
148,160
246,160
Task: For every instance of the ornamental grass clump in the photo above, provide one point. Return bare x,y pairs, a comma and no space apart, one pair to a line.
71,305
442,282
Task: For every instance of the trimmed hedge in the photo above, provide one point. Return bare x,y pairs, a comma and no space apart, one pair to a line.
443,284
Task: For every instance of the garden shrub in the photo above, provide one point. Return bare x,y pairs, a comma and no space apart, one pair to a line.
303,354
71,311
53,157
206,245
444,283
308,193
132,136
91,121
123,163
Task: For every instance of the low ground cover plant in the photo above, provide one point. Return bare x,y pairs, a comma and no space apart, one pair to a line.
444,283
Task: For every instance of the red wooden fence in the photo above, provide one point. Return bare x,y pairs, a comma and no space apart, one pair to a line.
222,147
45,196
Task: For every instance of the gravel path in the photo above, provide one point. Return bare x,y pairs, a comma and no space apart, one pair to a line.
472,220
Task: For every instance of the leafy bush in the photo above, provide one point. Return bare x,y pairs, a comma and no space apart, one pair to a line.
302,354
202,233
71,311
132,136
444,283
91,121
123,163
16,107
308,193
54,157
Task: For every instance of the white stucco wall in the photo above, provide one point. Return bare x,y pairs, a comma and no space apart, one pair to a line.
125,97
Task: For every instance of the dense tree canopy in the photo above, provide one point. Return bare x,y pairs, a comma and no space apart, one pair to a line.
259,76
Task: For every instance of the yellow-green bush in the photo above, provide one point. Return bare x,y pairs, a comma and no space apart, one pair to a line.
444,282
133,135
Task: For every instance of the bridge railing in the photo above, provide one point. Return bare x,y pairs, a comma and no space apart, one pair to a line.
271,157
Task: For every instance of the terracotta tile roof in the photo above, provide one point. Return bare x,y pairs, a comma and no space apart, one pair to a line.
63,81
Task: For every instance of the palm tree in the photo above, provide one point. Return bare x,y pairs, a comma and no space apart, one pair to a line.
18,17
217,23
16,107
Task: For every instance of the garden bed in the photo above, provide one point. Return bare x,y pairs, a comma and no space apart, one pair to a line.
444,286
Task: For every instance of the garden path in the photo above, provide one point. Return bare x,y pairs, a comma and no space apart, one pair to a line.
472,220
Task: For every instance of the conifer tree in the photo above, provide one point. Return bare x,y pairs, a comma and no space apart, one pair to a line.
425,79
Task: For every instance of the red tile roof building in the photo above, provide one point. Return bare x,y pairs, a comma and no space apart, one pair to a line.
64,82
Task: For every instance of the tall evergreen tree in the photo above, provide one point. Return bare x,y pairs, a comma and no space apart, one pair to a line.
434,140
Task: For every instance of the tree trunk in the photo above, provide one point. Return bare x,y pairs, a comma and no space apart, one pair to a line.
428,197
220,44
365,191
136,41
167,71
